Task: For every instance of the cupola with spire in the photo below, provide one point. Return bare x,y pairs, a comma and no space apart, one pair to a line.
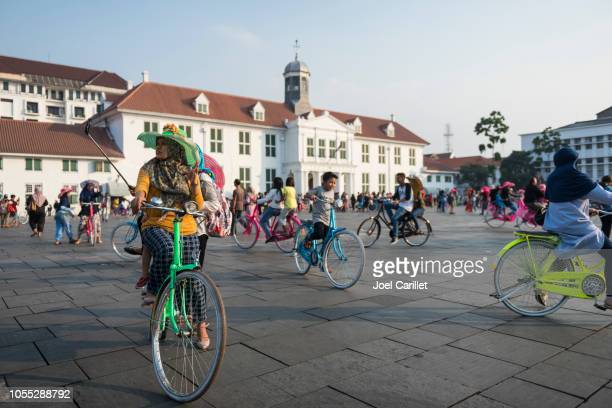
297,84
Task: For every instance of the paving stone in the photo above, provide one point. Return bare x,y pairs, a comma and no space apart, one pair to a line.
9,324
523,394
24,336
15,311
417,313
19,357
119,313
311,375
55,375
234,337
241,363
397,386
600,400
133,388
387,300
496,311
138,333
478,401
468,297
450,329
471,369
48,307
253,393
475,320
387,350
279,322
352,330
323,398
597,344
509,348
83,345
94,291
586,320
421,338
83,327
562,379
544,331
583,363
111,363
344,309
55,317
93,300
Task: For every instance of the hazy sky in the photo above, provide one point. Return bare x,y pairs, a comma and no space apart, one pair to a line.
541,63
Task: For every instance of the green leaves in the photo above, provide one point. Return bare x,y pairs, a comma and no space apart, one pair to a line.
494,128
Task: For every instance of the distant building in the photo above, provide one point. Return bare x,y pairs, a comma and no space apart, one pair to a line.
591,138
441,170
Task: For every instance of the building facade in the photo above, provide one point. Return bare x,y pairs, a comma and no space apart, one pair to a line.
592,139
441,170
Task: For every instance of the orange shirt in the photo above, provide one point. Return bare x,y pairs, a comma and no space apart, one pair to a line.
154,217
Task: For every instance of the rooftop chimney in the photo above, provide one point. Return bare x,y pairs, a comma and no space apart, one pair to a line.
145,76
392,117
130,85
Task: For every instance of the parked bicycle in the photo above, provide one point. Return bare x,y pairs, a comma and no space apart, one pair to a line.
369,229
532,281
184,369
124,235
341,254
247,230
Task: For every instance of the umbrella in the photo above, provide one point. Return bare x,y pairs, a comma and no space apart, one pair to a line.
86,182
216,169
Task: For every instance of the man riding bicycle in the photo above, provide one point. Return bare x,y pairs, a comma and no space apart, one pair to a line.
401,203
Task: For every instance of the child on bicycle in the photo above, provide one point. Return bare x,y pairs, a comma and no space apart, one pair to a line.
290,204
322,198
275,200
569,192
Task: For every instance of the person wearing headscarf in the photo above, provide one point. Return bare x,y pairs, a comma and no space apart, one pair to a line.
63,214
569,193
168,178
35,205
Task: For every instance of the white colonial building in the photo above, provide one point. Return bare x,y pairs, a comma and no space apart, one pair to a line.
256,140
441,170
253,139
592,139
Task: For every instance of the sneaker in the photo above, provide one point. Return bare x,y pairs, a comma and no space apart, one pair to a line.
541,297
394,240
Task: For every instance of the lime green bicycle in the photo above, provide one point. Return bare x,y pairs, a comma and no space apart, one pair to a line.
186,364
532,281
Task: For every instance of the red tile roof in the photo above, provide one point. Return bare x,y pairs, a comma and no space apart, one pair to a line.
175,100
444,162
94,77
54,139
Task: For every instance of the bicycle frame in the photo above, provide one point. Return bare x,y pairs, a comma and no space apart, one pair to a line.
560,282
175,267
331,232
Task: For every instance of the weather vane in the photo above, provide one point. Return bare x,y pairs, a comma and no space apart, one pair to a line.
297,47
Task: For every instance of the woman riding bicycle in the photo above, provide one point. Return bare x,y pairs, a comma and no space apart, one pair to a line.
89,196
569,192
168,178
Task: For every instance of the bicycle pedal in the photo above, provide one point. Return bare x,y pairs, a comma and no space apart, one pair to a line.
495,295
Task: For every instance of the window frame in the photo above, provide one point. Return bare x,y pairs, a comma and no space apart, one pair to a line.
310,147
216,140
270,145
242,176
365,153
365,182
244,143
382,157
322,148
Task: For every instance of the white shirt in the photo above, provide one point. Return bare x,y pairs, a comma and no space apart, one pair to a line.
407,205
273,198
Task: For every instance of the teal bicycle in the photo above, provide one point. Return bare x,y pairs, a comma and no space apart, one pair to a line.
185,362
340,255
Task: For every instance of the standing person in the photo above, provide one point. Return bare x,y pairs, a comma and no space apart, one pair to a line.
3,211
35,205
275,201
353,201
469,202
88,197
442,201
63,213
451,199
606,219
485,192
11,207
237,201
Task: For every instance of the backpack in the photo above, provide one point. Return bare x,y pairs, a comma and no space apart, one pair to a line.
219,224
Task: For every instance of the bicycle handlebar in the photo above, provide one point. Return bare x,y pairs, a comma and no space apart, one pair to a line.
146,204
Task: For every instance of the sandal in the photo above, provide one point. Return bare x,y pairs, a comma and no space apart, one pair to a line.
142,282
204,342
147,300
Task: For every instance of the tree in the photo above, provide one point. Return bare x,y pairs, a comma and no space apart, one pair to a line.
476,175
493,128
517,168
548,141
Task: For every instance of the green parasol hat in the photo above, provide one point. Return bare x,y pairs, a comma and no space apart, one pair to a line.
172,132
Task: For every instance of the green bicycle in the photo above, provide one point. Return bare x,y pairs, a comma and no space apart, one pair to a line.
183,367
532,281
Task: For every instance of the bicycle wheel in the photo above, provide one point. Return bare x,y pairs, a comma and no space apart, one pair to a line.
124,235
92,232
183,370
493,222
285,241
515,278
369,231
245,233
344,259
414,236
303,265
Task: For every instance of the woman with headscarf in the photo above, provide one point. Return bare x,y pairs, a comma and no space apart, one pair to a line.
169,178
569,193
35,205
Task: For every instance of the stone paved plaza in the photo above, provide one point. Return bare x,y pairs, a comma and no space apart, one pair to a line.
71,316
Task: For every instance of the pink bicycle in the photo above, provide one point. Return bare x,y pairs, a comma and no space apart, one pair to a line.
496,217
247,230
